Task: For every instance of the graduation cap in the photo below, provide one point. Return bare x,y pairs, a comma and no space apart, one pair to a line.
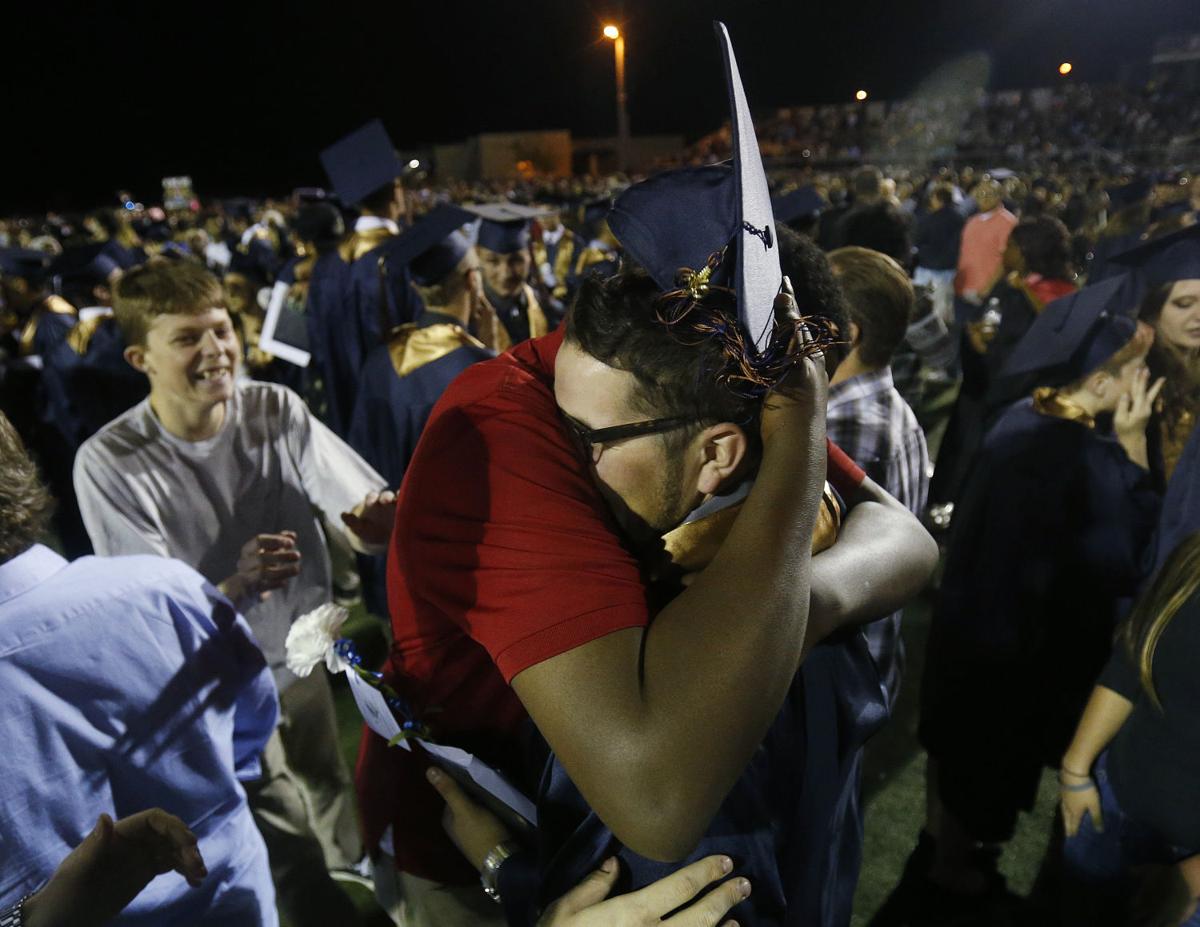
434,245
1129,194
1175,256
362,162
700,226
799,204
85,264
27,263
1077,333
505,226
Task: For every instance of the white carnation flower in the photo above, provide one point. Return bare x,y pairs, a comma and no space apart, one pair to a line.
312,638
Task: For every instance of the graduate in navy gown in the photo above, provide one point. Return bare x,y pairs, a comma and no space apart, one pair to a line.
1048,537
405,376
351,304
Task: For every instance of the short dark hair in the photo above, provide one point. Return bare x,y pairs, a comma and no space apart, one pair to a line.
867,182
807,268
615,320
880,298
378,201
1045,245
25,505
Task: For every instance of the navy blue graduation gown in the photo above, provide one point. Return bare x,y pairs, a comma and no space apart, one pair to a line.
1048,535
396,393
792,823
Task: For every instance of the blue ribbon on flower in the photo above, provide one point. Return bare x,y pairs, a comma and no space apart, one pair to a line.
409,726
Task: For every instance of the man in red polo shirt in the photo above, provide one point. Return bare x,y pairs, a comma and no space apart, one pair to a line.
505,567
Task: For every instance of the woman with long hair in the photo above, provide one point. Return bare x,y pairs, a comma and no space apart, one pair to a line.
1130,778
1173,308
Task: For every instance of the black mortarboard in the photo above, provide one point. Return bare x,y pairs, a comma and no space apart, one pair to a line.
362,162
1175,256
27,263
679,218
88,264
1077,333
1129,194
798,204
434,245
505,226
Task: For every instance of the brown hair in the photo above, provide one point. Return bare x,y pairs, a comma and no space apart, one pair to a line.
1181,392
163,287
25,505
879,297
1172,586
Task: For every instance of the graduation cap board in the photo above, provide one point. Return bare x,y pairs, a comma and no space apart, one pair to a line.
89,263
505,226
678,219
1077,333
27,263
1171,257
362,162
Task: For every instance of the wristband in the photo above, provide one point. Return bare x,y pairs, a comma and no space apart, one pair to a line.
1079,787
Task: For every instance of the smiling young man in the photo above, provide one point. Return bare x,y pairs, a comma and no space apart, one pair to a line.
226,475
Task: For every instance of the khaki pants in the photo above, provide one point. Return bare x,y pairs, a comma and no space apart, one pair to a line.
304,809
411,901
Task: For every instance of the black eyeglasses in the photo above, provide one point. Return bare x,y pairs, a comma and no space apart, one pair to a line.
592,441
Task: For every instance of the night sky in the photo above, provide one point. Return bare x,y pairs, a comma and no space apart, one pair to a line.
101,96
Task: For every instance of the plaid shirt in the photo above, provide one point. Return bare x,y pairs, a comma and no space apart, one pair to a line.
870,421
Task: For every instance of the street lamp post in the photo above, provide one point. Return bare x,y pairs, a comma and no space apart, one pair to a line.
618,40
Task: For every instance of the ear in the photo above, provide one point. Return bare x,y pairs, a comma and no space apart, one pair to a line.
135,357
723,447
855,334
1098,384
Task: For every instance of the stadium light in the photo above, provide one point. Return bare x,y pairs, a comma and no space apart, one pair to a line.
1065,68
860,95
612,32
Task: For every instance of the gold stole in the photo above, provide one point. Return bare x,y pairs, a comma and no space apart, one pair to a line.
562,261
693,545
411,347
1047,401
79,337
538,325
52,303
361,243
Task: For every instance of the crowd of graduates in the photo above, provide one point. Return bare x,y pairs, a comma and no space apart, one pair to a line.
1059,304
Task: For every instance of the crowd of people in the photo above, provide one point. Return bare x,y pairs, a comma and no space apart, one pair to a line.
1073,122
640,486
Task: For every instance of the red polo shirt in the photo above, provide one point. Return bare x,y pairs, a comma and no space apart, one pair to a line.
503,555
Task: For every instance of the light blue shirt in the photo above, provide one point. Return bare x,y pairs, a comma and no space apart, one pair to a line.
131,683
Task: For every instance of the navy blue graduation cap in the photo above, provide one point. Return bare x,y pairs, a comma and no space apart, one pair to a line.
505,226
1077,333
362,162
87,264
799,204
1129,194
701,226
434,245
1171,257
26,263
